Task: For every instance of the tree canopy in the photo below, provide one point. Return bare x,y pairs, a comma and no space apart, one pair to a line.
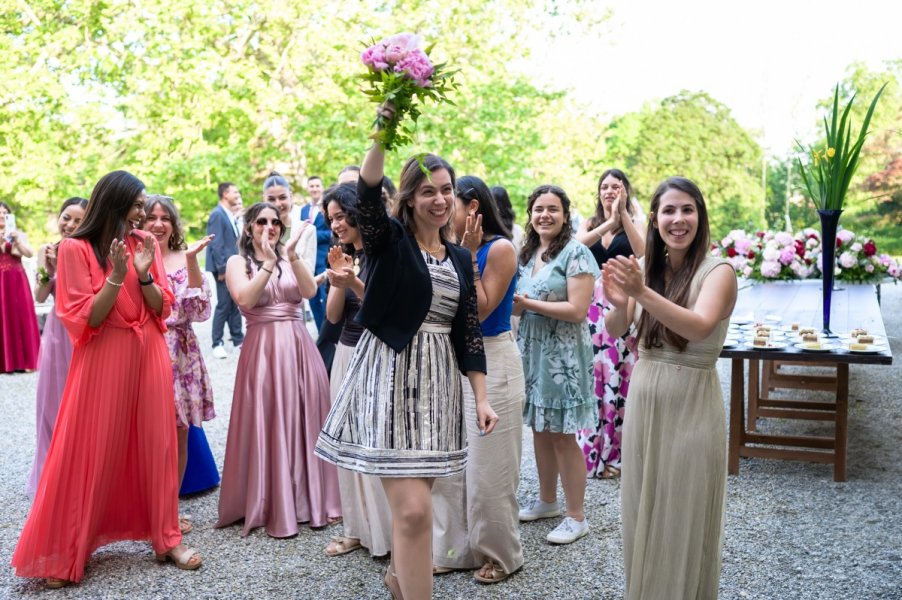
188,93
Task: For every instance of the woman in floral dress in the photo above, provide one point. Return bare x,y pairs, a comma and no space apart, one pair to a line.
557,274
193,391
611,232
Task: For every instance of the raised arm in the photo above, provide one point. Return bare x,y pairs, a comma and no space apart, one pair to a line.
618,320
714,303
587,236
246,290
47,261
635,235
373,223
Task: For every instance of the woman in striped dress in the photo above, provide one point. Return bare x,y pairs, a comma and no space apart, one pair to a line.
399,412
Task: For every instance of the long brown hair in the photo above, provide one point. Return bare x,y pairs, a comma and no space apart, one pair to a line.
111,200
598,218
177,239
412,176
531,239
651,331
246,241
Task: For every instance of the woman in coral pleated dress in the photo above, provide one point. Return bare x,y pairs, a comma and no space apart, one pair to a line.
112,468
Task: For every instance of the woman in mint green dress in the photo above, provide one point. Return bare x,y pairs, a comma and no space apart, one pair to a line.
557,275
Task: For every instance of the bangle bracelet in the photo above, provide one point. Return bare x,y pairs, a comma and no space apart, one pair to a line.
267,270
295,259
113,283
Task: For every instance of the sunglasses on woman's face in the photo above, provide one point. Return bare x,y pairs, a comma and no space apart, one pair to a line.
263,222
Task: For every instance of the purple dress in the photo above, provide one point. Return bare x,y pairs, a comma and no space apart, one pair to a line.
271,477
19,335
53,366
193,391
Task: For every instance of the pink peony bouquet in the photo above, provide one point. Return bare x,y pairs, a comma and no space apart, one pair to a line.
857,260
399,71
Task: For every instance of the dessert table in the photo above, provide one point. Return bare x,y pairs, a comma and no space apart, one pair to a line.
780,305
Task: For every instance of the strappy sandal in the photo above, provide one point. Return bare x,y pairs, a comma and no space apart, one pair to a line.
436,570
334,520
54,583
342,545
610,473
185,525
183,560
497,574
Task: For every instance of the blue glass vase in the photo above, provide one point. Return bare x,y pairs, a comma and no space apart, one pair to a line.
829,223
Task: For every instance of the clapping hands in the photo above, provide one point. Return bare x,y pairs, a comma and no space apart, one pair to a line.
119,257
341,268
622,278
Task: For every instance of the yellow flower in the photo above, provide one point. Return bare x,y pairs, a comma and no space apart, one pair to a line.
831,152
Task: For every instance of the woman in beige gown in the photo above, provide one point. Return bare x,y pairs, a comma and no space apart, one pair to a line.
674,440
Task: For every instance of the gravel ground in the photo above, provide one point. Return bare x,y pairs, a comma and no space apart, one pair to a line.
790,531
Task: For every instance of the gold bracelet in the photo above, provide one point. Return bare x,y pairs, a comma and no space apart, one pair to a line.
113,283
295,259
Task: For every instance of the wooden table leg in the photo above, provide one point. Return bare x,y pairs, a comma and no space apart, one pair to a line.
737,414
754,392
842,421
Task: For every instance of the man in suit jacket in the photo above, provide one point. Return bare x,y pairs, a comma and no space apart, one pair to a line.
312,212
224,226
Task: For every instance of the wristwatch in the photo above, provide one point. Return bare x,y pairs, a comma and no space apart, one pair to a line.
149,280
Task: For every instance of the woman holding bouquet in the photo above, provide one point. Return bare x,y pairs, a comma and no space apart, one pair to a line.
610,232
681,300
56,348
399,413
112,468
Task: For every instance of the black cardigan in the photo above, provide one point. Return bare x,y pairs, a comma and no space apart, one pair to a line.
399,288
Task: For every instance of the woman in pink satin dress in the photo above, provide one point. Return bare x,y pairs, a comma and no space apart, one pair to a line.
271,477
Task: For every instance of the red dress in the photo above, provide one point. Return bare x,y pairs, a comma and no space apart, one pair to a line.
112,468
19,335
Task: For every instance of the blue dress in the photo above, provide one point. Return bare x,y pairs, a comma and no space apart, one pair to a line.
557,355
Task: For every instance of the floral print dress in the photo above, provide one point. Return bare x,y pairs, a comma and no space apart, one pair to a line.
613,364
557,355
193,391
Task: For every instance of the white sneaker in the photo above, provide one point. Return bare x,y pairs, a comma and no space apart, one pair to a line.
220,352
540,510
568,531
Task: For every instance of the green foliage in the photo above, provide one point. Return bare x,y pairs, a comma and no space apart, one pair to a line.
828,176
874,199
188,93
694,136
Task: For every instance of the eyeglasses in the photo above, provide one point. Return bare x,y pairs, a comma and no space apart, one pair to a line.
262,222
